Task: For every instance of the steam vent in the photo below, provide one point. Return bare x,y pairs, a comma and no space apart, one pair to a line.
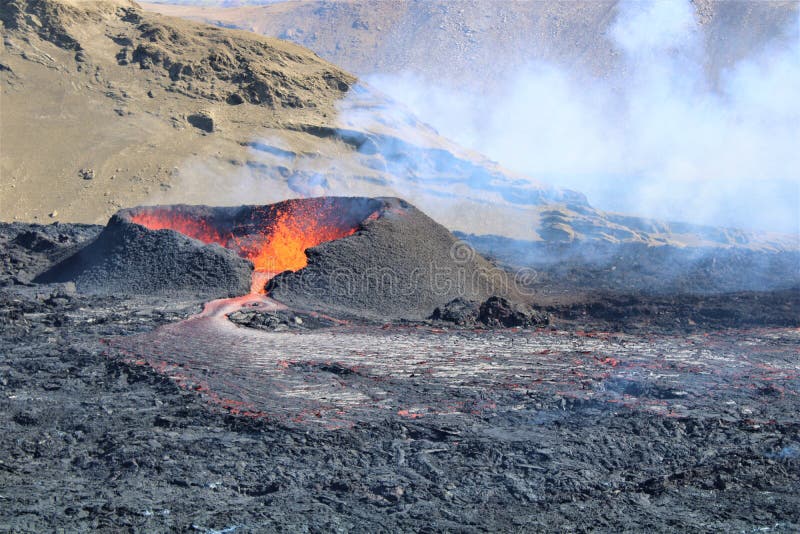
358,256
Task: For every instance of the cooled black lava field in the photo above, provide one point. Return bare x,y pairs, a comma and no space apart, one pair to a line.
600,410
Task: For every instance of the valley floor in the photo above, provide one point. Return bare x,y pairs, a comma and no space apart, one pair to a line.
411,428
662,413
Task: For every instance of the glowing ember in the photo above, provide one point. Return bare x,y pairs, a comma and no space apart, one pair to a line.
275,241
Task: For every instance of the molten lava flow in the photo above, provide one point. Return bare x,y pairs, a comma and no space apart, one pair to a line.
275,243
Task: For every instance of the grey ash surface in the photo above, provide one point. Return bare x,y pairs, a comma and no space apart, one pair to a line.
90,443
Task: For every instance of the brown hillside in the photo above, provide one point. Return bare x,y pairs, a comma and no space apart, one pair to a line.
477,42
107,106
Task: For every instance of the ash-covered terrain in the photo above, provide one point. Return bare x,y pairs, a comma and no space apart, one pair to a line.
582,409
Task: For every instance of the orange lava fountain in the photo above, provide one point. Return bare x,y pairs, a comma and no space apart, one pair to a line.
274,244
283,248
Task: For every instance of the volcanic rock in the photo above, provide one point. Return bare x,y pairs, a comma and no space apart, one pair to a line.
202,120
494,312
459,311
499,312
34,241
79,420
280,320
27,250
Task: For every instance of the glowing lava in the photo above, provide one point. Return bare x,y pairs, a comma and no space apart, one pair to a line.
196,228
283,248
275,239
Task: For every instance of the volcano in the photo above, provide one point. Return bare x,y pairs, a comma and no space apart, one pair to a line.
368,257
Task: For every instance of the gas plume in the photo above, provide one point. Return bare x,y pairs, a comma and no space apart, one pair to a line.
658,136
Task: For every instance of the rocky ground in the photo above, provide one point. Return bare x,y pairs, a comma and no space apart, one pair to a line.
116,420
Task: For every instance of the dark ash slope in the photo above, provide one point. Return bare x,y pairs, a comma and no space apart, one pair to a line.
401,264
128,259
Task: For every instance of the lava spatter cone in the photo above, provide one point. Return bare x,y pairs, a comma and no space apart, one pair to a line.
369,257
272,237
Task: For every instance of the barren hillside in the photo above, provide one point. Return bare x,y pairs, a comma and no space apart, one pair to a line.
105,106
102,102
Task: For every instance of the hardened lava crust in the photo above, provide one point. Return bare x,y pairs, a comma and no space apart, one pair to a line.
147,413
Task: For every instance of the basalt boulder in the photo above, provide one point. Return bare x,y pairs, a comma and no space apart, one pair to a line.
494,312
459,311
498,312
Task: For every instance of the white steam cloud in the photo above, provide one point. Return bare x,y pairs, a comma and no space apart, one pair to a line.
656,137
